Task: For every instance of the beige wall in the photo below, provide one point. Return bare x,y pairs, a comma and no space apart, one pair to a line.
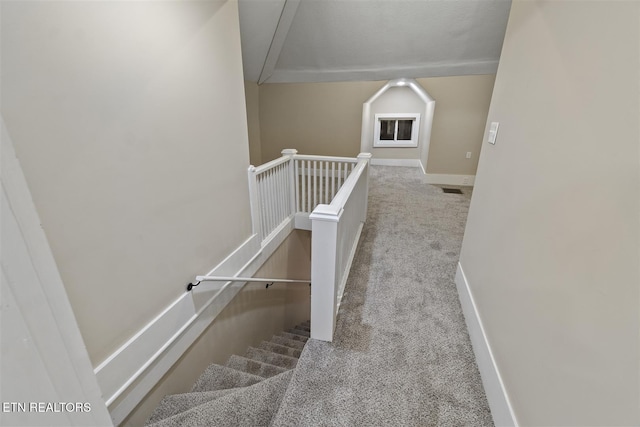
253,316
462,104
326,118
551,249
314,118
252,94
129,121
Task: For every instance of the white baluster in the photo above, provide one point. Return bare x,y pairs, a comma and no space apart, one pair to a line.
309,179
303,184
320,179
326,183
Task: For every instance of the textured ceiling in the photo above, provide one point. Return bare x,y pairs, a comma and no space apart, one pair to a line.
346,40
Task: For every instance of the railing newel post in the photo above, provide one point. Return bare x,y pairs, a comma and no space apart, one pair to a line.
293,183
254,201
324,272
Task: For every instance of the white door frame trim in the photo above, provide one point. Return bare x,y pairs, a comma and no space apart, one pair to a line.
32,277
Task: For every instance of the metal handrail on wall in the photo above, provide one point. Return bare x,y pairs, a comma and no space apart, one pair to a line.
230,279
247,279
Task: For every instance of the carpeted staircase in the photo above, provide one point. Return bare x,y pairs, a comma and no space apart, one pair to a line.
247,391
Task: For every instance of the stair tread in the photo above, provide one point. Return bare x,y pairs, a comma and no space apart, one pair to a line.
254,367
294,337
218,377
176,403
299,345
266,356
246,391
280,348
299,332
255,405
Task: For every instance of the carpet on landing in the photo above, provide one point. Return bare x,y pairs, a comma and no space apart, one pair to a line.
401,353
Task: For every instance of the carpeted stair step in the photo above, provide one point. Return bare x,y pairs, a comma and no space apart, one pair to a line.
254,367
265,356
280,349
305,325
217,377
294,337
253,406
300,332
176,403
277,339
246,391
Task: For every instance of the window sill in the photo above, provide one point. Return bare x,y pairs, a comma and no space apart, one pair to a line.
394,145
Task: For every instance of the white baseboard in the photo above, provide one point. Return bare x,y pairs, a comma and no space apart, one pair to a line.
135,368
501,409
450,179
410,163
432,178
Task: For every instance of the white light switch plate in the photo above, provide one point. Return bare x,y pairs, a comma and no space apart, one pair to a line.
493,132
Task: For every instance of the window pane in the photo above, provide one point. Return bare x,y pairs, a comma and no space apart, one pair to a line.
404,130
387,130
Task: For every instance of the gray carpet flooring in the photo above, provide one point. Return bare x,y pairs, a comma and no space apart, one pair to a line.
401,354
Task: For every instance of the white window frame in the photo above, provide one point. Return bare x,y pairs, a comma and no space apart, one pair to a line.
377,143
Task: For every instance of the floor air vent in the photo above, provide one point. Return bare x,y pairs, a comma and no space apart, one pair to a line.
451,190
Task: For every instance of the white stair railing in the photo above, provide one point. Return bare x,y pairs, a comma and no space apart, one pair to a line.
319,179
335,232
327,195
293,185
271,193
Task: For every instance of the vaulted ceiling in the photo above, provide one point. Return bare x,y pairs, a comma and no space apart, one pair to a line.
347,40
